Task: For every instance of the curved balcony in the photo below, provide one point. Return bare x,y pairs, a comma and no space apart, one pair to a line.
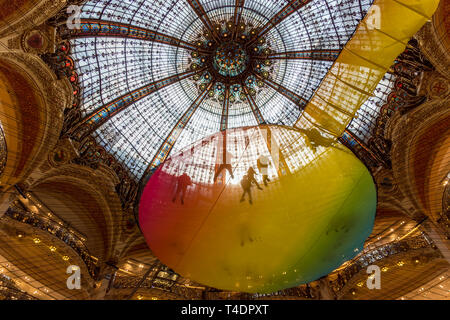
57,230
160,278
9,290
372,255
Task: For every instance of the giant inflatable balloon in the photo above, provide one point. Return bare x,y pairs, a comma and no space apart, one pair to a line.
258,209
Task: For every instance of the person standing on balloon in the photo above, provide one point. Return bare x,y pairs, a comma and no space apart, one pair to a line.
183,182
224,158
246,185
263,167
251,176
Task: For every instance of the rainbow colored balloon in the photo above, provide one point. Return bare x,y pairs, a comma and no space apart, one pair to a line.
315,212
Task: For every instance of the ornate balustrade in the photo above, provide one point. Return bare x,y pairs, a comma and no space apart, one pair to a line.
3,151
369,257
161,278
58,231
444,220
305,291
9,291
159,284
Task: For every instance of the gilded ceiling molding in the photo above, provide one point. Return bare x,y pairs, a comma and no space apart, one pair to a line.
20,15
37,40
434,39
133,246
389,194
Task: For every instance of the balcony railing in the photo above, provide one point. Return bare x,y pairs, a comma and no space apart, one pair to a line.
3,151
369,257
58,231
444,219
161,278
9,291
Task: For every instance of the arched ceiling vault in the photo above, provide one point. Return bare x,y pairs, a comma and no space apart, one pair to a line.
430,164
30,114
87,201
420,156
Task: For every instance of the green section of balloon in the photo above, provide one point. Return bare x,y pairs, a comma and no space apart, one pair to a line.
305,223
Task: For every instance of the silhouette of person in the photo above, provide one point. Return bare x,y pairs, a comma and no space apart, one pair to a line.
183,182
246,185
315,139
263,167
226,165
251,176
224,158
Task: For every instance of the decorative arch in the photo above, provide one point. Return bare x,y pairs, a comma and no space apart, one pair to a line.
420,155
86,199
31,112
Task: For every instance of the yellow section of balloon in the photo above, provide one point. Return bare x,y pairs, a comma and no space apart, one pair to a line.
301,231
379,39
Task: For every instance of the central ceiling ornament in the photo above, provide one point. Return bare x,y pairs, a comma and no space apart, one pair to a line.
231,63
230,59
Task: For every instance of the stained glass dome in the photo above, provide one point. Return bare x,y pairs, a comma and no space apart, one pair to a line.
157,76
